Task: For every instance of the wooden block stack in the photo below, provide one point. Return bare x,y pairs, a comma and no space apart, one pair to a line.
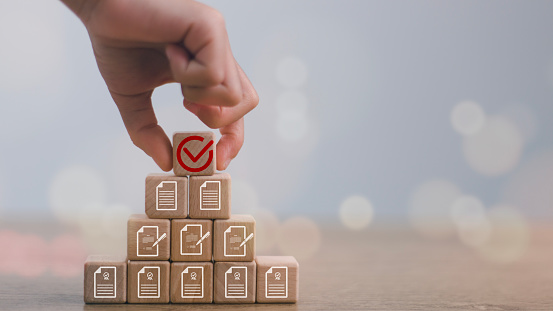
188,248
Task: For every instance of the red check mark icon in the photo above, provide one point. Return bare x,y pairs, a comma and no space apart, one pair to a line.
200,154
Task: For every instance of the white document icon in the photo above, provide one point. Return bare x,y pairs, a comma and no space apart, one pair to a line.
276,282
148,282
210,196
236,282
146,238
105,282
190,235
166,196
192,282
232,243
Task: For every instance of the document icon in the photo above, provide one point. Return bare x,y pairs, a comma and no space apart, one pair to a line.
147,240
192,282
276,282
234,243
148,282
210,196
166,196
105,282
191,239
236,282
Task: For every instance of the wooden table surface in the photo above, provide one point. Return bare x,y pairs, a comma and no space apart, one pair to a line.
388,268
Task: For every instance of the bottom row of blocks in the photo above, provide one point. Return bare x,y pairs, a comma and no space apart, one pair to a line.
268,279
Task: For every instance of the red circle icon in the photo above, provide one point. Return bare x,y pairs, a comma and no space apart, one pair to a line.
194,158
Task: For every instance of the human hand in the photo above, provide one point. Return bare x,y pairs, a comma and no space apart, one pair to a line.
142,44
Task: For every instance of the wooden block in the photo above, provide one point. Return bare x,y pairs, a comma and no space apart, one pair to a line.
234,282
277,279
105,279
148,239
210,196
166,196
191,239
192,282
194,153
234,238
148,281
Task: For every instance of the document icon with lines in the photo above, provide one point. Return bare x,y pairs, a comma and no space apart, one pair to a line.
146,238
192,282
236,282
210,195
166,196
276,282
232,243
148,282
104,282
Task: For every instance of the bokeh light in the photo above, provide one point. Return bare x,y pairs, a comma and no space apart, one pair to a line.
469,215
299,237
430,208
356,212
67,255
73,189
266,225
467,118
525,120
291,72
496,148
509,236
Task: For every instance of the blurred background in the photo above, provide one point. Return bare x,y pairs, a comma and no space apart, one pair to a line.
431,115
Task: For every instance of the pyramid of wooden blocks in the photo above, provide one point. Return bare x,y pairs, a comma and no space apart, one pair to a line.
188,247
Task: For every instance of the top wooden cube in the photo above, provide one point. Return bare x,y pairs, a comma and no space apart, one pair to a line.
194,153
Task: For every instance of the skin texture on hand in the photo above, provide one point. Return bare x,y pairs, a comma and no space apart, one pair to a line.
142,44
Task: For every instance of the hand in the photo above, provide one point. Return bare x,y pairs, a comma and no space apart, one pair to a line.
142,44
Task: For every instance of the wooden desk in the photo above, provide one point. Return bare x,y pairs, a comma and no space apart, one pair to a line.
376,269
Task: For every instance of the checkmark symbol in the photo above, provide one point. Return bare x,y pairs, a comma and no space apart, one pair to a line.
200,154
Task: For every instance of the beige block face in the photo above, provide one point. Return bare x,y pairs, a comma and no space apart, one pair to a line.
194,153
234,282
105,279
166,196
192,282
148,281
277,279
148,239
234,239
191,239
210,196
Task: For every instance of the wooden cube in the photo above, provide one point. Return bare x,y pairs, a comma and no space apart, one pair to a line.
194,153
148,281
191,239
192,282
105,279
166,196
234,282
277,279
210,196
234,238
148,239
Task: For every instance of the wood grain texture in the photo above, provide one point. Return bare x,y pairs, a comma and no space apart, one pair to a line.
161,202
277,279
379,268
228,274
232,230
101,285
140,222
200,208
196,156
138,280
184,241
181,292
